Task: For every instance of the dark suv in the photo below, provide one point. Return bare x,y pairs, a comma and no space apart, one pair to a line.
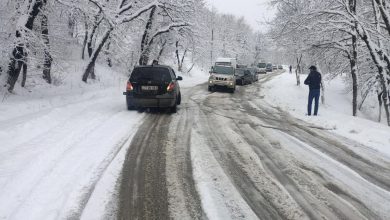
153,86
243,76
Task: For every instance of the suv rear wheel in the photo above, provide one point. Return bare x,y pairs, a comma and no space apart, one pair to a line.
174,109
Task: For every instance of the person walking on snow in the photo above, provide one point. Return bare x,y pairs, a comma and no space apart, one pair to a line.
290,69
314,81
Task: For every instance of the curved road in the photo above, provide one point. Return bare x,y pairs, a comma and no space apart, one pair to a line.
233,156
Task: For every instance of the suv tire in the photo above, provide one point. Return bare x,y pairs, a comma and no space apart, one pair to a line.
174,109
179,99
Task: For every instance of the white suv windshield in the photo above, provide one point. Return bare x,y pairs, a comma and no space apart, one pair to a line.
228,70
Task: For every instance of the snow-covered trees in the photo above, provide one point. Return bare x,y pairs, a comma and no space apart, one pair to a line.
119,33
322,30
29,11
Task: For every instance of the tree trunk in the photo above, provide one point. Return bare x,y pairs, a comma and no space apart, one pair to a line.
297,70
18,54
91,65
177,56
15,66
47,61
109,61
352,60
182,59
90,46
380,106
145,49
85,38
161,50
386,103
24,73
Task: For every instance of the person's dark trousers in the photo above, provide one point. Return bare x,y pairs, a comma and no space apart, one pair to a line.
313,94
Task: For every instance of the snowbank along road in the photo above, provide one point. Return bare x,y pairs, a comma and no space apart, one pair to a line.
232,156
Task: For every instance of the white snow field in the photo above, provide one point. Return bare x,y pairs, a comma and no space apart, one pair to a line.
62,147
335,114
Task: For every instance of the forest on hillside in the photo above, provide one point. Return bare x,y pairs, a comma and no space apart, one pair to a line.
35,36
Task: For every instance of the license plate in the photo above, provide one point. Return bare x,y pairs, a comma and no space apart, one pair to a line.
149,88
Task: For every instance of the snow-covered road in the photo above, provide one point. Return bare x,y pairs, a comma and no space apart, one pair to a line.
232,156
52,160
222,156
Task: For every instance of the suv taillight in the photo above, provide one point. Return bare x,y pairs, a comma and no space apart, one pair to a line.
129,87
171,86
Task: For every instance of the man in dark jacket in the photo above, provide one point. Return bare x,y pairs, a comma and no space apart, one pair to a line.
314,81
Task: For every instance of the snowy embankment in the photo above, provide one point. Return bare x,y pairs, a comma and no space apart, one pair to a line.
62,147
334,115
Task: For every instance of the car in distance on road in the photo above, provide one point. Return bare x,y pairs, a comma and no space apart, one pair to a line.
274,67
243,76
269,67
280,67
154,86
262,68
222,77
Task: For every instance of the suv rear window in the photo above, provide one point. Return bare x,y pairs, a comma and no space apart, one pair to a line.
151,74
240,72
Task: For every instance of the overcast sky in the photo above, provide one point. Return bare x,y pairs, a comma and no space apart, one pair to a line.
254,11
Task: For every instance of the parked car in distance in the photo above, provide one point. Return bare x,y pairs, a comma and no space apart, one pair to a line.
269,67
274,67
154,86
243,76
222,77
280,67
262,68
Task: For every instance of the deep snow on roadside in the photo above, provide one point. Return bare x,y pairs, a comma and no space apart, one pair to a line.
335,114
62,146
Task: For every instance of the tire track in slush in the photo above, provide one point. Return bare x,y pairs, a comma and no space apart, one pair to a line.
157,180
143,191
184,199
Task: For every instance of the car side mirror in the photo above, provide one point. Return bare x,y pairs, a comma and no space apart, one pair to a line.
179,78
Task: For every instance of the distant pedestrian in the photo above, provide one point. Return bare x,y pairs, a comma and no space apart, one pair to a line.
314,81
290,69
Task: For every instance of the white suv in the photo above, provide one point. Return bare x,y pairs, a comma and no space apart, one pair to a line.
222,76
